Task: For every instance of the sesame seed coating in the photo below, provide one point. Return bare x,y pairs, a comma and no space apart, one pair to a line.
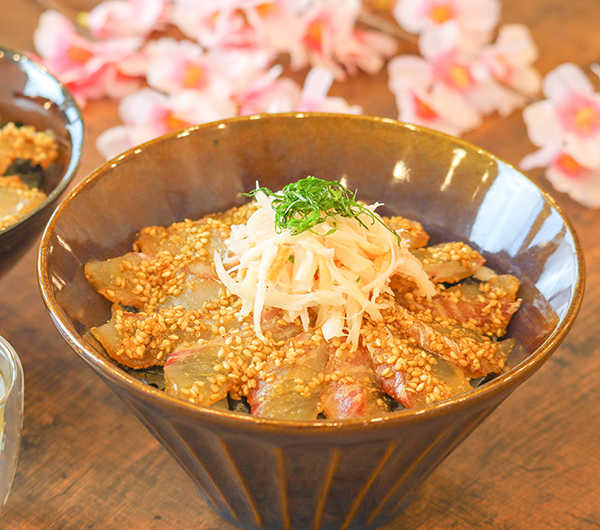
40,147
22,143
449,262
421,351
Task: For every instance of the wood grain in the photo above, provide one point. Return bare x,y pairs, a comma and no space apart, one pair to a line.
86,462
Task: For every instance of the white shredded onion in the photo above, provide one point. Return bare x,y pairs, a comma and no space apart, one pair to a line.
340,275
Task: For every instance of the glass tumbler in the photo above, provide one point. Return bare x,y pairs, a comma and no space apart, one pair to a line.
11,416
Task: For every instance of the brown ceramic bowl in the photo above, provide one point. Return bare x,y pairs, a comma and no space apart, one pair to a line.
274,474
30,95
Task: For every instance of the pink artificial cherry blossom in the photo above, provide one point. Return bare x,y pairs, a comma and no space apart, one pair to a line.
277,24
327,38
314,94
126,18
410,79
476,19
213,23
242,66
327,23
89,69
445,89
582,184
283,95
172,65
148,114
569,120
457,75
269,94
451,92
107,82
510,59
367,51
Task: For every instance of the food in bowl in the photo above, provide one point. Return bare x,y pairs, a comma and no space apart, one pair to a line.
303,303
24,154
357,473
30,95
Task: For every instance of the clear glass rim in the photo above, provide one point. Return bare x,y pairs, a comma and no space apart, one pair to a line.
9,353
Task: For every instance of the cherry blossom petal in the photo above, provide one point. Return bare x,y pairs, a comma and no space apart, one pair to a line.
510,59
526,81
489,97
409,79
414,107
314,94
449,66
197,107
438,93
89,69
475,19
242,66
586,151
329,26
115,85
541,158
213,23
165,113
269,94
442,40
64,52
566,175
277,25
579,115
148,114
145,105
106,82
543,127
569,118
88,89
516,44
282,96
366,50
125,18
114,141
454,109
565,80
410,69
174,65
580,183
136,64
412,15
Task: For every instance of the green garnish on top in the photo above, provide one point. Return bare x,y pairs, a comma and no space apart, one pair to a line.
302,205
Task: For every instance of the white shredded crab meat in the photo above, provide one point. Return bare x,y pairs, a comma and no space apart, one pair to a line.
339,275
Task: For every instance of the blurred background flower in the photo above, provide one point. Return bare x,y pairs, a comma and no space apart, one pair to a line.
206,60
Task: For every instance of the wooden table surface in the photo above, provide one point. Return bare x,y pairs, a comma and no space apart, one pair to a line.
86,462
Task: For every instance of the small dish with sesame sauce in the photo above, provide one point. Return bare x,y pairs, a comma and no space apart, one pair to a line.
150,214
24,154
41,138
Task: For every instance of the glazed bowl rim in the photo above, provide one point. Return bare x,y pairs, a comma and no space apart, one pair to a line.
106,368
76,143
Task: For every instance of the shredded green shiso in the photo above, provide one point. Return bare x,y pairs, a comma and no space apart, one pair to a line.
302,205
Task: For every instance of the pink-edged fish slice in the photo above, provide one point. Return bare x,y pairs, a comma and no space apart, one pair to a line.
289,385
352,389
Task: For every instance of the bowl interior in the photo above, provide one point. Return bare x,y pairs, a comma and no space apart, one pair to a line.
455,190
30,95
